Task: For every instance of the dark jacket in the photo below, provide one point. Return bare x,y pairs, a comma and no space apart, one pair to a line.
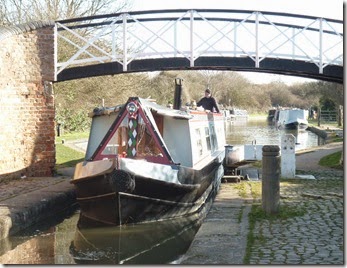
208,104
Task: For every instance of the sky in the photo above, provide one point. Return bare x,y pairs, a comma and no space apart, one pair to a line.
329,9
332,9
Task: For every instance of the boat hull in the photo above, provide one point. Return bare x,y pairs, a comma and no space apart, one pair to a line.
150,200
296,125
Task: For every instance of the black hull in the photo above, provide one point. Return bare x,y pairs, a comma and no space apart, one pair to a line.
151,200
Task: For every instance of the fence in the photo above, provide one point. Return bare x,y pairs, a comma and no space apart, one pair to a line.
330,116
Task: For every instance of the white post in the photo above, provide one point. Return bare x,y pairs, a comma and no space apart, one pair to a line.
288,156
55,52
191,38
235,34
175,39
256,39
320,45
125,43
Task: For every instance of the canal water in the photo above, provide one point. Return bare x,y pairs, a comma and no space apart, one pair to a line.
263,132
59,241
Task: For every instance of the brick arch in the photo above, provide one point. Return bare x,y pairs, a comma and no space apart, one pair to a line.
27,112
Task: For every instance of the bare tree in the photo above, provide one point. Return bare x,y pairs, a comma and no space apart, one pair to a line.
21,11
208,76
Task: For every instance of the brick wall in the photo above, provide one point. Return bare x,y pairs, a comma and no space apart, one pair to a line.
26,102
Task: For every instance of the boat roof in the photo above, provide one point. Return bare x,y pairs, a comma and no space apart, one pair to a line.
146,104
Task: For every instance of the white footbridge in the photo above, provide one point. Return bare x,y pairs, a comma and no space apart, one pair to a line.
243,40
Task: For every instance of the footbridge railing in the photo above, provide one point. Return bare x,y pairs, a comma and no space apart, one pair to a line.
200,38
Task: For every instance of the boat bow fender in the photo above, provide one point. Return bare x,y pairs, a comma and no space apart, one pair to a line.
121,181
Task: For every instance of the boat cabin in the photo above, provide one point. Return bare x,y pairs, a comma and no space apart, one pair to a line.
142,129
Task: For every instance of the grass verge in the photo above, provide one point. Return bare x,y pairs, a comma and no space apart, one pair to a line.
67,157
72,136
331,160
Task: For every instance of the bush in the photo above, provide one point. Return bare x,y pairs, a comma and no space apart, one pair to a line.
73,121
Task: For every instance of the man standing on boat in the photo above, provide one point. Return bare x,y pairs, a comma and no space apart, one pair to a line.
208,102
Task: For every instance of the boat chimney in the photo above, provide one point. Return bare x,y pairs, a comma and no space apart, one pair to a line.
178,92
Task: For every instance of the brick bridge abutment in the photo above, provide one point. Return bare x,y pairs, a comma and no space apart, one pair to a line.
27,113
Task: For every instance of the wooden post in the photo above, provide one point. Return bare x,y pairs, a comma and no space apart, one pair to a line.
271,179
319,113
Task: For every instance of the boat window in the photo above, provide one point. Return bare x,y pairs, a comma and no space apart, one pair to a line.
146,145
132,139
213,139
208,140
118,143
198,141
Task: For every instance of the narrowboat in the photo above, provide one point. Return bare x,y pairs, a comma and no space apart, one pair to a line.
292,119
146,162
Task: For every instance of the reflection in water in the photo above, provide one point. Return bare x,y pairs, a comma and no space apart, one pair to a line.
59,241
36,250
160,242
46,243
63,243
147,243
263,132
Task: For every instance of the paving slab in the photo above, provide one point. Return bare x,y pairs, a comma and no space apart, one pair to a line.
222,237
46,199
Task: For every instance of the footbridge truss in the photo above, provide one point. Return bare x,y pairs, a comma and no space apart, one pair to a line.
237,40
